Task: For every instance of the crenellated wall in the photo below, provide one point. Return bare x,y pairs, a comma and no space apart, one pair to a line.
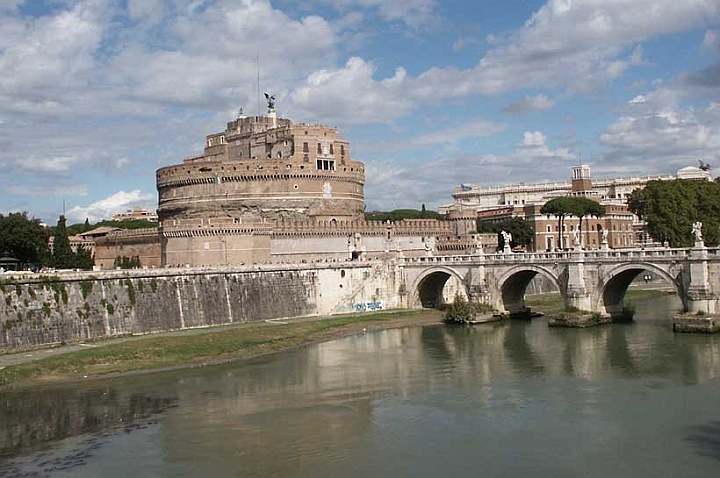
43,310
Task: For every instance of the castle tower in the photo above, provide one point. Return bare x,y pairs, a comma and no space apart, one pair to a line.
581,179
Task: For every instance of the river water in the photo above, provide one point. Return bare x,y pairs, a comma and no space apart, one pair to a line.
512,400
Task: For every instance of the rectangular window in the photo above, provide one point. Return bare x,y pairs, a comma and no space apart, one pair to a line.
331,149
306,149
319,148
325,164
342,150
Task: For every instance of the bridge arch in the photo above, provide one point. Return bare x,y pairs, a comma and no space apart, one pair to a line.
513,283
613,288
427,290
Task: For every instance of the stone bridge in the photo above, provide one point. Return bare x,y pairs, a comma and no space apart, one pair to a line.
588,280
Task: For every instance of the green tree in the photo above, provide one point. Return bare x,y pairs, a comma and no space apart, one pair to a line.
63,257
670,207
582,206
400,214
83,259
521,229
559,207
24,239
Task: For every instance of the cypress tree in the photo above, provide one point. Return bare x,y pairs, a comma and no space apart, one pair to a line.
63,257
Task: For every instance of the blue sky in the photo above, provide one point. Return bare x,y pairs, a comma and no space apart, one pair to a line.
95,95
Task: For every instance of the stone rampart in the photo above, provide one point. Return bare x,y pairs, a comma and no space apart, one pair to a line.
40,310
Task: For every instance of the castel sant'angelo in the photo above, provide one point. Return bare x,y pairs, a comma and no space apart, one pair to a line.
267,190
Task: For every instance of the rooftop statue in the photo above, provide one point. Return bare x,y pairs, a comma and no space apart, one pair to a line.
270,101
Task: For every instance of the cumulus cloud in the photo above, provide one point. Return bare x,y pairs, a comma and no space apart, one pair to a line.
711,42
432,181
577,46
530,104
414,13
662,140
47,189
105,208
351,95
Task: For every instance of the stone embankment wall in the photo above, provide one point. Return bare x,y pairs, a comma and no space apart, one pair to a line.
37,311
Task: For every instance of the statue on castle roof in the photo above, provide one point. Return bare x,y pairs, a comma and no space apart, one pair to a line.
271,102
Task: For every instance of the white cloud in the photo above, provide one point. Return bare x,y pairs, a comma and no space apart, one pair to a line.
535,138
711,42
50,58
10,4
45,189
414,13
431,182
105,208
662,139
351,95
530,104
578,46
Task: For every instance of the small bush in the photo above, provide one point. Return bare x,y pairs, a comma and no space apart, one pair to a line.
463,312
86,287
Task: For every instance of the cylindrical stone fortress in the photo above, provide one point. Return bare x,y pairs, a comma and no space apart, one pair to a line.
265,167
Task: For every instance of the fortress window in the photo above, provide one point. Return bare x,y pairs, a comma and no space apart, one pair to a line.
305,147
319,148
331,149
279,154
325,165
306,158
342,150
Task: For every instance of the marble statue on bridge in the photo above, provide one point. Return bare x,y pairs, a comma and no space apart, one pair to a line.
697,231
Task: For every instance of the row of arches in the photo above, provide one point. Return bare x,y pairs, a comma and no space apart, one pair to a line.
438,286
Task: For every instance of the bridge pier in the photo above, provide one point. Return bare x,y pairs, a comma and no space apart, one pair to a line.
700,297
577,295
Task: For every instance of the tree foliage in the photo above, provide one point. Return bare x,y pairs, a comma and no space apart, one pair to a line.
521,229
400,214
63,257
124,262
671,207
582,206
558,207
579,207
126,224
463,312
23,238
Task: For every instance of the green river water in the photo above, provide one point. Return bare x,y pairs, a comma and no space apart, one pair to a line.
497,400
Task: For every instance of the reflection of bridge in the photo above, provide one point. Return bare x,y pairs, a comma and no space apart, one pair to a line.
588,280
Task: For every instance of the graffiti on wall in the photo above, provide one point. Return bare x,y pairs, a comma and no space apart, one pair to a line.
367,306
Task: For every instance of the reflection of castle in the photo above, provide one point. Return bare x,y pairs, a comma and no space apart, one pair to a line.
269,190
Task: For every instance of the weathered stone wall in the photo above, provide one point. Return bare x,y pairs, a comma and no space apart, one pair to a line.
141,243
37,311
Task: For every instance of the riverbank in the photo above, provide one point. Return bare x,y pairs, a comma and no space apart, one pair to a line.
197,348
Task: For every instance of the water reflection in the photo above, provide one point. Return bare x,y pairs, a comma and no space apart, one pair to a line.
372,400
